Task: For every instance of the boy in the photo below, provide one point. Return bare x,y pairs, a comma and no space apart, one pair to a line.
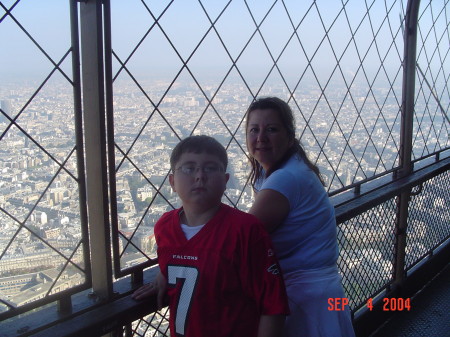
217,262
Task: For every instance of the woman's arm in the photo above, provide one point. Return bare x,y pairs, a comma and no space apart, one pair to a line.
271,208
271,325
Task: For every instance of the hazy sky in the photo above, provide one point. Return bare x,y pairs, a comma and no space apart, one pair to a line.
185,24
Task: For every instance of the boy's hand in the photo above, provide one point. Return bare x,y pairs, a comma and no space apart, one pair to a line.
158,287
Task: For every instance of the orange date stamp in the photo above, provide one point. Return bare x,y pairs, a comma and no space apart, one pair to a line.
392,304
388,304
337,303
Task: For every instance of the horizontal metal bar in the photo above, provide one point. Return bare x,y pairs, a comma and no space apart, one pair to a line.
88,317
347,210
102,320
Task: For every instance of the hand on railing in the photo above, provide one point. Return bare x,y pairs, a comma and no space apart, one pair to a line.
158,288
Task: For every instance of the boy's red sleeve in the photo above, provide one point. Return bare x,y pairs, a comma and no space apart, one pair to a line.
262,275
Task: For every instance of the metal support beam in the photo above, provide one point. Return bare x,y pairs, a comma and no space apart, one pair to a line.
406,136
408,86
95,140
78,116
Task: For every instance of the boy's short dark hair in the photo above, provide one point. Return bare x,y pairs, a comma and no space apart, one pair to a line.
199,144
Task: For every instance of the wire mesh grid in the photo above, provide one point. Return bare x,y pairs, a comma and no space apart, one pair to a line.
367,251
428,219
42,249
154,325
344,87
432,104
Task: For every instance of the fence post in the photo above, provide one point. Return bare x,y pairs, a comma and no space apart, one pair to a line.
406,133
91,25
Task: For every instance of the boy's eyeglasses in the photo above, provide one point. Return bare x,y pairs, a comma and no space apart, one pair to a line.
190,170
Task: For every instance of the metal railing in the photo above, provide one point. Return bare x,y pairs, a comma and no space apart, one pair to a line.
368,86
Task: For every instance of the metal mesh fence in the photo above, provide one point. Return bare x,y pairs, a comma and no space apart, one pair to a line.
367,252
42,247
432,124
428,219
336,68
154,325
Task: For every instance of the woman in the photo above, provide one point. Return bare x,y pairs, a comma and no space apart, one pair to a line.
294,207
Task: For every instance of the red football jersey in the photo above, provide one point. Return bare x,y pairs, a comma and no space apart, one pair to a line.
223,279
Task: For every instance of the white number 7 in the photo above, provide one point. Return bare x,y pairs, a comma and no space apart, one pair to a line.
188,277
